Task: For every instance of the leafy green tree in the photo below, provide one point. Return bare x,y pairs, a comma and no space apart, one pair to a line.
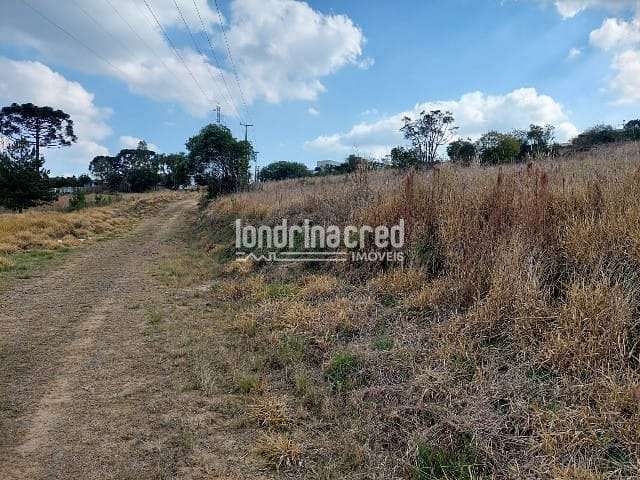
134,169
537,141
21,150
84,180
177,170
498,148
462,152
40,127
283,170
350,165
632,130
597,135
403,157
216,156
24,183
109,171
140,166
428,133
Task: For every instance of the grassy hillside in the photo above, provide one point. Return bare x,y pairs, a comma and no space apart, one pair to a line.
507,346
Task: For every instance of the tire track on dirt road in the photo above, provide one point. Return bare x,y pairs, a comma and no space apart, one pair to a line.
82,388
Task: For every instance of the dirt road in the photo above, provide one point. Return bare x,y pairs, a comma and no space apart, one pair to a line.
82,385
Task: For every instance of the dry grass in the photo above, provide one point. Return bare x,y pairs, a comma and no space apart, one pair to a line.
6,263
51,229
279,450
507,347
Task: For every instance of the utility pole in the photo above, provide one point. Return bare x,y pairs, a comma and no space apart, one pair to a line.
255,159
218,113
246,126
246,139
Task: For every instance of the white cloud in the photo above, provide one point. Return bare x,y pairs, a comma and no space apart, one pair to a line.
127,141
313,111
476,113
366,63
626,83
615,34
130,48
574,53
571,8
28,81
282,47
622,39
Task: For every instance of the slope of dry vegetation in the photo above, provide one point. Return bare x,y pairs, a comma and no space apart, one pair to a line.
506,348
41,229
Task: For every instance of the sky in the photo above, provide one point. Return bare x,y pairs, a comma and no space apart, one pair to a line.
318,79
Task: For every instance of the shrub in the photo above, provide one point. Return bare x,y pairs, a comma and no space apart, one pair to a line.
104,200
78,200
462,152
498,148
283,171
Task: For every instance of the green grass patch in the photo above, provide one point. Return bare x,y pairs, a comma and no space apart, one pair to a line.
290,350
246,382
280,291
154,315
389,301
340,372
23,265
383,343
435,463
541,374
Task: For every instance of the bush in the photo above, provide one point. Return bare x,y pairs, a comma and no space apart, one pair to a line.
23,183
404,157
104,200
498,148
78,200
283,171
462,152
221,186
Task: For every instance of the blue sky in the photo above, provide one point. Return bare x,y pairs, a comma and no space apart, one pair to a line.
321,79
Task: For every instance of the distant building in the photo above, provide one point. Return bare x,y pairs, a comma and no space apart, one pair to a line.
327,164
91,188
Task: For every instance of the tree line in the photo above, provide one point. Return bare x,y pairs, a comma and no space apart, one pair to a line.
431,131
214,158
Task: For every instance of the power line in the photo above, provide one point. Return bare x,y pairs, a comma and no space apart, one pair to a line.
195,44
94,20
233,64
175,50
215,59
73,37
151,49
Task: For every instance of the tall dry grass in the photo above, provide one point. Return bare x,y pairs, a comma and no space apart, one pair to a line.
39,229
513,328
